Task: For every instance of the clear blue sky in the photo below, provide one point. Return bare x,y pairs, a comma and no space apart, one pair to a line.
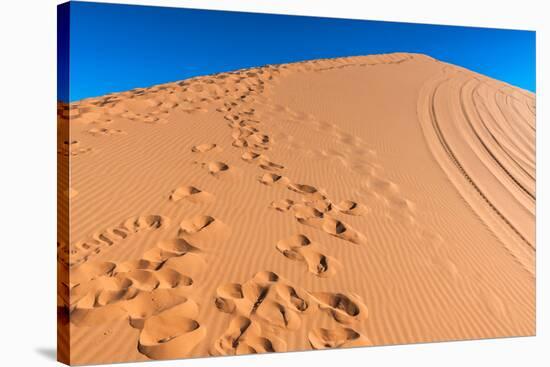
119,47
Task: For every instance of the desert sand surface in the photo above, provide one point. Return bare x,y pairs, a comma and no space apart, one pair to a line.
359,201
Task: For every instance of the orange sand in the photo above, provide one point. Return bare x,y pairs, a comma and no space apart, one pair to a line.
372,200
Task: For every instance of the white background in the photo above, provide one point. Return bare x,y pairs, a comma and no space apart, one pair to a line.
28,179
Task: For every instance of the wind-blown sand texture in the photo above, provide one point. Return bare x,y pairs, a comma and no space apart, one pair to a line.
371,200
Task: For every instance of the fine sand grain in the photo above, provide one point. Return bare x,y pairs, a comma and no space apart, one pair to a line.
357,201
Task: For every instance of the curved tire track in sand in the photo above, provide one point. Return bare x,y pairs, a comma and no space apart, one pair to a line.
430,113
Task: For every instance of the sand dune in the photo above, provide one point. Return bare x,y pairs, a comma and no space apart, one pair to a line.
345,202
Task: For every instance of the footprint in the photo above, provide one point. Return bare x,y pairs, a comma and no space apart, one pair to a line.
173,333
203,148
146,222
91,271
147,304
196,224
308,215
190,193
342,308
338,337
73,148
293,243
267,303
94,295
302,189
175,247
125,295
260,300
294,298
262,139
250,156
163,278
245,337
168,253
148,118
309,191
105,132
255,308
259,344
242,131
278,315
324,205
401,209
300,248
282,205
258,146
267,165
382,186
134,289
215,168
338,229
263,161
240,143
390,193
81,251
351,208
204,231
229,342
334,227
269,179
227,294
266,277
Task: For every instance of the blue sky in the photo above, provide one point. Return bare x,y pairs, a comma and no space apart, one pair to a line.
119,47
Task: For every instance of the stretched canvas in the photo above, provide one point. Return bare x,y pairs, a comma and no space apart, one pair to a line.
233,183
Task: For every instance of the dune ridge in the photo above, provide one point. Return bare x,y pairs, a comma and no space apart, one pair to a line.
365,200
